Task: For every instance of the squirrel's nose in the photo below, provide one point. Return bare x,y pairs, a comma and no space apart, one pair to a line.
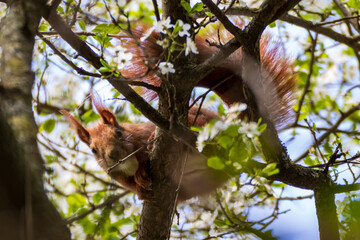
114,155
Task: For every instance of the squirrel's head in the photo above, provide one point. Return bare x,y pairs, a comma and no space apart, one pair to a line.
108,141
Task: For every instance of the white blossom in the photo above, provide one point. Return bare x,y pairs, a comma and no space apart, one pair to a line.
219,126
184,29
236,108
165,43
119,48
124,59
202,137
163,25
190,47
209,132
209,217
232,114
166,67
250,129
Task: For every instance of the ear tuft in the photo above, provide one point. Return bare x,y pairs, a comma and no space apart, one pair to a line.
97,101
105,113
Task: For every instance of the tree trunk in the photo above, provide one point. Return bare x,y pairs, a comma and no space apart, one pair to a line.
25,211
157,215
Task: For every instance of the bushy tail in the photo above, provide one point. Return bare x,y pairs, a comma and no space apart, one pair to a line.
226,79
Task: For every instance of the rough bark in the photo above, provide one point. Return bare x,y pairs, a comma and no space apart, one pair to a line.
326,214
25,212
157,215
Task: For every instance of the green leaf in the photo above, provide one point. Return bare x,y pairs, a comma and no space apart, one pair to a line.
103,39
221,110
43,27
82,24
186,6
98,197
232,131
225,141
105,64
76,199
270,169
311,17
135,111
60,10
90,116
262,127
209,14
215,163
117,94
106,28
48,126
354,4
197,8
278,185
76,202
83,37
240,151
104,70
123,221
272,25
309,161
89,227
50,158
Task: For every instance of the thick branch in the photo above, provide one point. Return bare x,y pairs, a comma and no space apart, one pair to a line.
326,213
351,42
345,188
224,20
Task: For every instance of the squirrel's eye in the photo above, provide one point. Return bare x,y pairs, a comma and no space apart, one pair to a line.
118,132
93,150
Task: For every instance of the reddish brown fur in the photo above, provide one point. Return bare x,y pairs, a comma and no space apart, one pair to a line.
111,141
281,77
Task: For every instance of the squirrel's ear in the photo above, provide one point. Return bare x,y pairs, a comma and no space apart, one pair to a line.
108,117
105,113
83,134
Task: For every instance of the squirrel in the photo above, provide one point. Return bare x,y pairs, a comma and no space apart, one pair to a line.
121,150
112,142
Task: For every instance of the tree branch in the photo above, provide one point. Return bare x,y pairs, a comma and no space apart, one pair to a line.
354,23
349,41
332,129
345,188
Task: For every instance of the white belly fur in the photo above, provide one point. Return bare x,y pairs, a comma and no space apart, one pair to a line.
128,167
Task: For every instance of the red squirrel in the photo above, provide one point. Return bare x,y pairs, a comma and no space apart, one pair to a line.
111,141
